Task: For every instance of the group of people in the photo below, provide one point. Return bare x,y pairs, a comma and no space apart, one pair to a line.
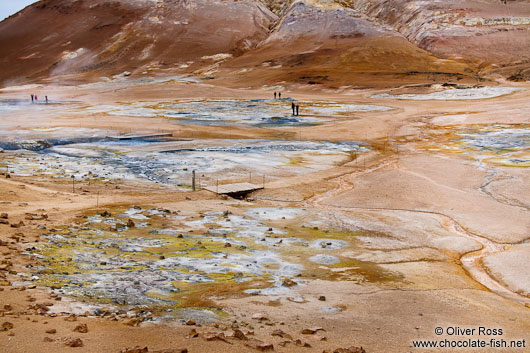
35,98
294,107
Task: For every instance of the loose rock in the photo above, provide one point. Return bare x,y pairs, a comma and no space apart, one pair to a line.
136,349
81,328
74,342
287,282
260,345
7,326
216,337
312,331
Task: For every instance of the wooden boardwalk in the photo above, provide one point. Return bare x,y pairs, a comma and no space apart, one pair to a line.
234,189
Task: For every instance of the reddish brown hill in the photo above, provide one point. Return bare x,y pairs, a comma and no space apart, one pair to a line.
330,42
488,33
324,43
108,37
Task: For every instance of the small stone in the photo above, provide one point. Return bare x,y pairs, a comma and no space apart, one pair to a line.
8,307
7,326
51,331
18,225
312,331
287,282
4,215
190,323
105,214
130,223
132,322
300,343
322,298
259,345
281,334
74,342
228,245
216,337
284,343
193,334
136,349
239,335
47,339
81,328
259,317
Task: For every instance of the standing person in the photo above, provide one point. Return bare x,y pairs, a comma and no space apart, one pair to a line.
297,109
279,95
293,107
274,94
36,98
32,98
46,97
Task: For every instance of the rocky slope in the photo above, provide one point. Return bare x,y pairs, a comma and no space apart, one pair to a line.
69,37
330,42
486,31
326,43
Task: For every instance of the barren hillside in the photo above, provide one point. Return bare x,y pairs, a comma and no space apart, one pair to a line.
334,43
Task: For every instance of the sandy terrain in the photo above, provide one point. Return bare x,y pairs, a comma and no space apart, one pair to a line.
417,223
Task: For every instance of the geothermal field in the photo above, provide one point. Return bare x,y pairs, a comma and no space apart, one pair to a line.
276,176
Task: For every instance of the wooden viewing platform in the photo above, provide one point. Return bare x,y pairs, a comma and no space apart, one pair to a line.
139,137
234,190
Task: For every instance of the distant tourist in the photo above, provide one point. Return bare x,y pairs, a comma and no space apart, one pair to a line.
274,95
293,107
280,95
46,98
32,98
297,109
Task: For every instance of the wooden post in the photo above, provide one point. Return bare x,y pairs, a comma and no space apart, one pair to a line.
193,181
73,183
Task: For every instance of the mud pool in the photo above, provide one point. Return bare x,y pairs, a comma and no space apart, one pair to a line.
455,94
167,261
172,162
504,146
259,112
